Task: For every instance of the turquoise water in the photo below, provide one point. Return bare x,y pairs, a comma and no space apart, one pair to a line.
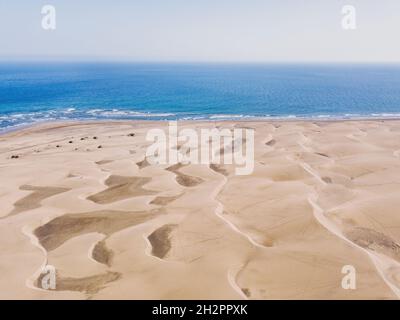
32,92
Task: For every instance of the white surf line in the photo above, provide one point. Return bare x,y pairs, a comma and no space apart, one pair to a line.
376,259
35,241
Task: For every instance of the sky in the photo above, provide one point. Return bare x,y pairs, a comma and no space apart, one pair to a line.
202,30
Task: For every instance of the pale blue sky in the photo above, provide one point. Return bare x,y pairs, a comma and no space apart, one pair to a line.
202,30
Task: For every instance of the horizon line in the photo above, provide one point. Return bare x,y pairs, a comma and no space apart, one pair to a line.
52,59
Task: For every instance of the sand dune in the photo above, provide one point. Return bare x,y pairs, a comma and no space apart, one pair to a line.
323,195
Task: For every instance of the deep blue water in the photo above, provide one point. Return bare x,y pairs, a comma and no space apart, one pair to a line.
31,92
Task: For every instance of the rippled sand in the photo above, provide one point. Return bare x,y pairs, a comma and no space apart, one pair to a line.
83,198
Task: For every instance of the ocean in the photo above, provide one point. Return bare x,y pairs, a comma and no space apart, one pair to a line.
35,92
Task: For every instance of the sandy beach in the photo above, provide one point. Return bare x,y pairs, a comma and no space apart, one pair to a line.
83,198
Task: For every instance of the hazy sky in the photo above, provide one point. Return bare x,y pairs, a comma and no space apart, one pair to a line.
202,30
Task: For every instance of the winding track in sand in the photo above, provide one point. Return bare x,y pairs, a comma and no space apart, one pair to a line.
219,212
